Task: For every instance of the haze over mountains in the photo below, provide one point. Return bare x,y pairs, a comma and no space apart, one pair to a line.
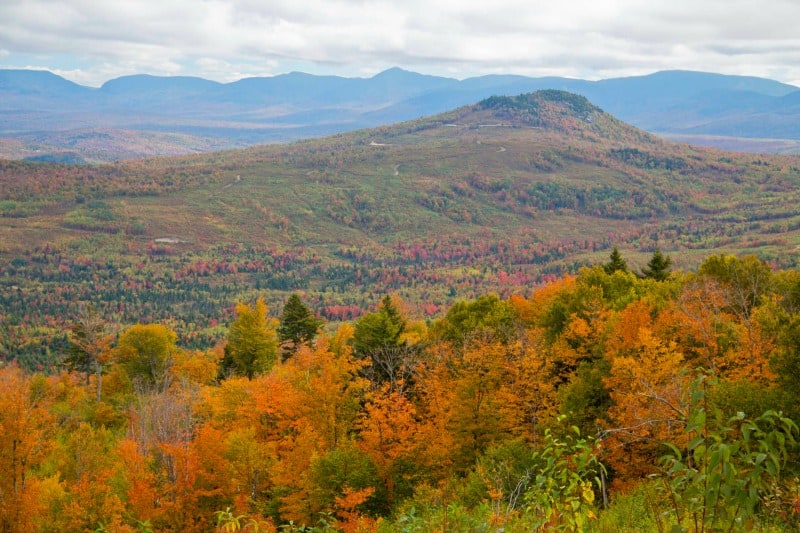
47,117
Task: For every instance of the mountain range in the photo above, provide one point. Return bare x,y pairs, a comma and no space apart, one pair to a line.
45,117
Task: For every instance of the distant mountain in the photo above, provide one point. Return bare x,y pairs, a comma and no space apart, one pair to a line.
297,105
38,83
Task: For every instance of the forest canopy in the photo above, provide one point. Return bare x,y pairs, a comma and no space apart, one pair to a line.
601,399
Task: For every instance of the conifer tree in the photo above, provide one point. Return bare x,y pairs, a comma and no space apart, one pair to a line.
378,338
658,268
298,325
616,263
381,329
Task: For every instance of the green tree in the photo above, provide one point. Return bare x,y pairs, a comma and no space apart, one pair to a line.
729,468
146,351
252,346
585,399
488,317
298,325
381,329
378,337
344,469
658,268
616,263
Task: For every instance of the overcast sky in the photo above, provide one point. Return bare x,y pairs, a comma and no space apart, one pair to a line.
91,41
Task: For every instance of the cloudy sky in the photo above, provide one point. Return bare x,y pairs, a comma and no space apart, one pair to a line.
91,41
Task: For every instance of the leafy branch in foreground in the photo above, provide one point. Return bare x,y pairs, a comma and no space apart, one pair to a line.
561,495
729,467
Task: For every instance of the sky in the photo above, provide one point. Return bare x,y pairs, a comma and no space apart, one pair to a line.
92,41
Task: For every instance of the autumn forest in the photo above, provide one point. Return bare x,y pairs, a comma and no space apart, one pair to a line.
521,315
605,398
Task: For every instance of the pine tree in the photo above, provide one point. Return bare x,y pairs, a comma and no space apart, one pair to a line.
298,325
616,264
658,268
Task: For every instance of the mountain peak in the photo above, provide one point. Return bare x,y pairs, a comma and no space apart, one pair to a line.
549,109
395,72
532,105
37,82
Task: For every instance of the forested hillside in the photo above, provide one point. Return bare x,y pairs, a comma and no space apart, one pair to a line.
604,401
500,197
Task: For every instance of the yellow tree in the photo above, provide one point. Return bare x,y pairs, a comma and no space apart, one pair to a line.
146,351
252,346
308,408
434,443
650,402
480,381
87,462
250,461
329,389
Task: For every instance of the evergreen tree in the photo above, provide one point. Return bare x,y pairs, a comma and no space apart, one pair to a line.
658,268
616,263
298,325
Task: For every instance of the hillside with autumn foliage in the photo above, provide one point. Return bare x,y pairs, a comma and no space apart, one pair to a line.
604,401
522,315
500,196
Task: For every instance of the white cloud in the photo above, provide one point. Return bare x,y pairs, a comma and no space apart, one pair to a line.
227,39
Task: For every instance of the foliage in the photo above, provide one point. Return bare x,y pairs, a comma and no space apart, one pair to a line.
658,267
436,212
479,422
297,324
252,344
729,467
561,493
146,351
